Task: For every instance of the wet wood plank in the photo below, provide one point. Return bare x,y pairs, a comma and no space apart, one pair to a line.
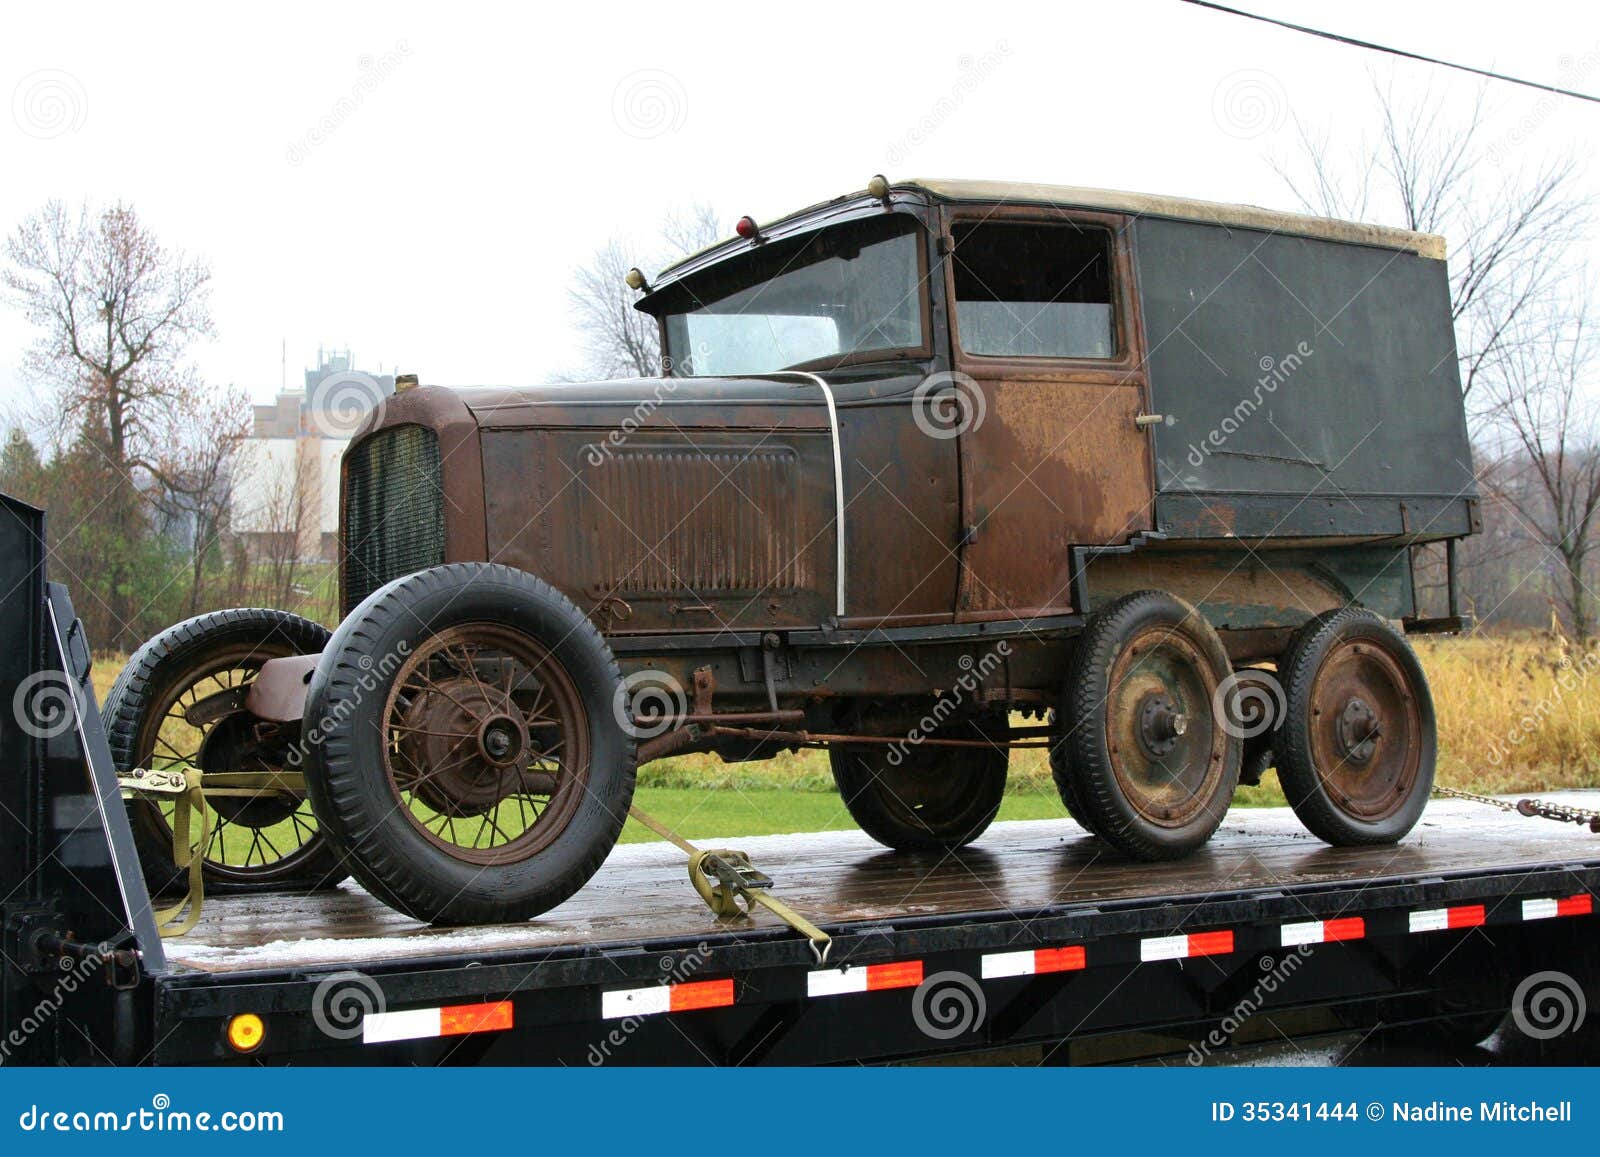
643,893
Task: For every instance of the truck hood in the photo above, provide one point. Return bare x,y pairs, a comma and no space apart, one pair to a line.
772,403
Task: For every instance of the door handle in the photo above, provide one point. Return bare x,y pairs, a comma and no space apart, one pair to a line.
1144,420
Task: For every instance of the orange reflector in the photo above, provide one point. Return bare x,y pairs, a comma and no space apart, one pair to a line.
460,1019
701,994
1068,959
1467,916
1344,928
246,1032
1580,905
901,974
1211,943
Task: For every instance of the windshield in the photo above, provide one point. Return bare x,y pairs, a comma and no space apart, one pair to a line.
806,301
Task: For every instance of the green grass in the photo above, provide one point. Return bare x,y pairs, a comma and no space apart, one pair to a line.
700,813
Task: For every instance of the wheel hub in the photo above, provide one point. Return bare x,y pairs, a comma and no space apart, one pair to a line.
232,745
1161,724
466,744
1358,730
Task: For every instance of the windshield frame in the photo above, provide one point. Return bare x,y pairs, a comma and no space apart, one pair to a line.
701,280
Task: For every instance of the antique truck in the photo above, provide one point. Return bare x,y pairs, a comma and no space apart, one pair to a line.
933,472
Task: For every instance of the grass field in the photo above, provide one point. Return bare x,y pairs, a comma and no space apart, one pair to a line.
1515,715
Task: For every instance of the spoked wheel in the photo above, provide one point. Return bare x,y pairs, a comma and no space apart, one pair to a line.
473,766
1357,746
490,748
179,702
1152,768
925,798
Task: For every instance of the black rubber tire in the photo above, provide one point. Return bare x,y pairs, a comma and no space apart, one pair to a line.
1066,779
147,679
1094,794
1291,743
350,789
873,788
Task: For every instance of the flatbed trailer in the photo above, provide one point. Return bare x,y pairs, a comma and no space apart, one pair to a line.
1037,935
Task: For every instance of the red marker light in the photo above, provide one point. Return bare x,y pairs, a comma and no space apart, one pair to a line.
746,228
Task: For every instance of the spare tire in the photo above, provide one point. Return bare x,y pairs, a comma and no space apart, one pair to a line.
466,750
255,844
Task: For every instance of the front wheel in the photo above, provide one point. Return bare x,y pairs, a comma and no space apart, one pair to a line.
466,752
1357,744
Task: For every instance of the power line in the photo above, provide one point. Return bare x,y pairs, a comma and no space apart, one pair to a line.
1351,40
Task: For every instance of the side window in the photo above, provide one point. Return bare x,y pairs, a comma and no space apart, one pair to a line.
1038,291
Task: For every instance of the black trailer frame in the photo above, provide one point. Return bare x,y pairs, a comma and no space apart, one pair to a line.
1442,947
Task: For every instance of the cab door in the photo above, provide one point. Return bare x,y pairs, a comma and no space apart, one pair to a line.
1045,338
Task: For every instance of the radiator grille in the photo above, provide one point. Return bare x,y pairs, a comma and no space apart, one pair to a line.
704,521
393,509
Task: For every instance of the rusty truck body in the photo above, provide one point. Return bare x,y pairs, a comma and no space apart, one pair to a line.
931,472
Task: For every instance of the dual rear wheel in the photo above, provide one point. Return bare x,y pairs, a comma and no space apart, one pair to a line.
1155,735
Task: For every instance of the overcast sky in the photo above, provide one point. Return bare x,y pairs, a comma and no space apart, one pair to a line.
418,180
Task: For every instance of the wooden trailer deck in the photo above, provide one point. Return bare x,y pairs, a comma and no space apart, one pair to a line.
642,893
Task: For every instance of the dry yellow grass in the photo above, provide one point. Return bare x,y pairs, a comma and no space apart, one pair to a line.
1516,714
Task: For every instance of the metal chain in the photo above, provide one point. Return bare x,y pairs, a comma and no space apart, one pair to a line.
1530,807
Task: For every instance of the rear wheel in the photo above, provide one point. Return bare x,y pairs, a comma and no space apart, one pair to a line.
179,702
470,758
921,797
1151,767
1066,780
1356,748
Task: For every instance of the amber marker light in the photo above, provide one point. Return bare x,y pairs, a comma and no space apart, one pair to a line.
246,1032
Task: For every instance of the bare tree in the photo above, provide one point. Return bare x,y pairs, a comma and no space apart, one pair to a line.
285,518
115,312
618,340
1549,476
1430,168
197,469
